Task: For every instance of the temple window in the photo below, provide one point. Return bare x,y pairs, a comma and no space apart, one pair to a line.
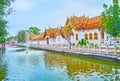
95,36
90,36
86,36
77,37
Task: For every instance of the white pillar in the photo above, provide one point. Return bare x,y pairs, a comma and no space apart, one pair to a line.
94,47
106,48
88,47
100,49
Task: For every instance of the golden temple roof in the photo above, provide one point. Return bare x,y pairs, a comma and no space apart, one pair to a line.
83,22
38,37
94,22
35,37
52,32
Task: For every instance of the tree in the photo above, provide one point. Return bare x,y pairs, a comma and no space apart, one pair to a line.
67,32
21,36
4,10
8,39
69,29
111,19
34,30
115,1
83,42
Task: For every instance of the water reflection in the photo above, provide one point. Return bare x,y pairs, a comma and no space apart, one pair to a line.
21,66
83,69
2,67
33,60
2,51
49,66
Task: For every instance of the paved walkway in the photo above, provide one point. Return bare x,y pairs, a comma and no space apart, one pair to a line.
92,52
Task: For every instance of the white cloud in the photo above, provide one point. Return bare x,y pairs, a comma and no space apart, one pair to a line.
23,5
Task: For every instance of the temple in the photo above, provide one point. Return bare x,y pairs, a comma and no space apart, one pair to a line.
75,28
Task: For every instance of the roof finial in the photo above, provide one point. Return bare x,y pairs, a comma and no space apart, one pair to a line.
73,15
49,26
84,14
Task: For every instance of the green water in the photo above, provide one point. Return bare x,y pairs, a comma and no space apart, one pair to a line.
36,65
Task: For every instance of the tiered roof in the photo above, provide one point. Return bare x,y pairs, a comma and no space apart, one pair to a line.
38,37
83,22
52,32
77,22
94,22
35,37
30,37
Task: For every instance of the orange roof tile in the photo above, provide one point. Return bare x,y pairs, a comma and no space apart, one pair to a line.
84,22
77,22
94,22
52,32
30,37
38,37
35,37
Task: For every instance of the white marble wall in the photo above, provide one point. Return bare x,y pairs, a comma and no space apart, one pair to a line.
92,31
60,40
81,33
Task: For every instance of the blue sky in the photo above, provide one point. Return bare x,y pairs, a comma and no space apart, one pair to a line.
50,13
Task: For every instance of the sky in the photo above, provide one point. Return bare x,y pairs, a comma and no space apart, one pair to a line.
50,13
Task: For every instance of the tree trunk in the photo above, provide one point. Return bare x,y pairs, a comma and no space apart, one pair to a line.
69,42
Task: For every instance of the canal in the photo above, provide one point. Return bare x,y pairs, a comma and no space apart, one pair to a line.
38,65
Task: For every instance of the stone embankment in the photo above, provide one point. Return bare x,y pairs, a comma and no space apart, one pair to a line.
103,56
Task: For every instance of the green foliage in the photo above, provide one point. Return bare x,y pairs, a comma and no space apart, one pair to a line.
83,42
2,39
119,35
10,38
4,10
69,28
21,36
96,46
34,30
3,25
115,1
111,20
3,31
